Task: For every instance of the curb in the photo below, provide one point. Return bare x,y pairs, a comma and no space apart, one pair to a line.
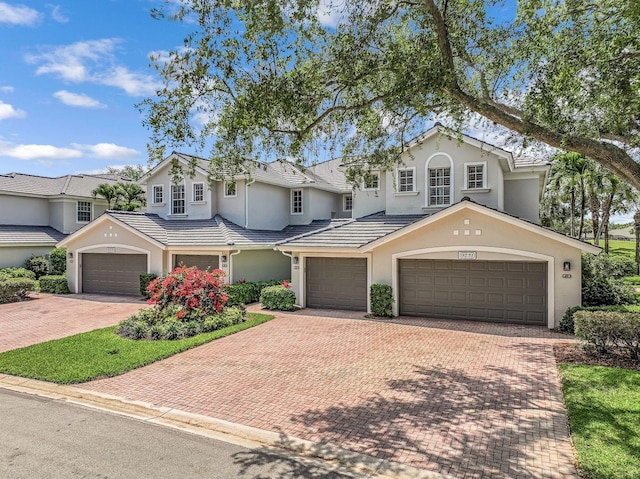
239,434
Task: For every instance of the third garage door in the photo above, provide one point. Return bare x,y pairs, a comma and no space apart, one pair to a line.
498,291
336,283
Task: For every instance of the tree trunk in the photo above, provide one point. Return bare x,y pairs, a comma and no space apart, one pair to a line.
583,207
594,206
636,230
573,212
606,237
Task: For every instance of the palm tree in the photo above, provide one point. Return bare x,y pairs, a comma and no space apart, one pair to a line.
108,192
133,195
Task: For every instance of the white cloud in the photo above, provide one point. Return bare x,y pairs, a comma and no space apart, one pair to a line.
57,15
8,111
77,99
107,150
19,15
6,89
34,152
92,61
330,12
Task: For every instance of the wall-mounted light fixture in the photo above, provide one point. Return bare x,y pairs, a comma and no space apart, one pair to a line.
296,260
70,254
566,266
223,258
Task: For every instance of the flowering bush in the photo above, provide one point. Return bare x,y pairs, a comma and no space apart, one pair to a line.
195,292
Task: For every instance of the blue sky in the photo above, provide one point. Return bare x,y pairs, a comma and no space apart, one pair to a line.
70,76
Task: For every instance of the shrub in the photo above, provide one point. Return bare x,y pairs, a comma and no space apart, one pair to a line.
12,272
246,293
145,279
278,297
15,289
38,264
610,330
381,300
602,283
58,261
567,322
57,284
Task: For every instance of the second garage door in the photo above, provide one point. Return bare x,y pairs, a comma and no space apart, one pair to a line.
336,283
112,273
200,261
498,291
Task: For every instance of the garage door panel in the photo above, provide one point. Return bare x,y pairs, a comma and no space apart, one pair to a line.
338,283
200,261
112,273
478,290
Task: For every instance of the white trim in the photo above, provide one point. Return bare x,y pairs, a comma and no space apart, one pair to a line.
193,193
414,182
344,201
585,247
164,163
303,272
79,251
427,194
490,249
153,195
90,212
466,186
295,190
372,174
224,188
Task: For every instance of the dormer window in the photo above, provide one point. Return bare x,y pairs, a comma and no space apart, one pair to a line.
296,202
347,203
177,200
371,181
406,180
198,193
157,194
230,189
475,176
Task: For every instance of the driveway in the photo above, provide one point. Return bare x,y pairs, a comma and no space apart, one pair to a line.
49,316
471,400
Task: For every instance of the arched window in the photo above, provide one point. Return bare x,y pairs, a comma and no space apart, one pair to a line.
439,177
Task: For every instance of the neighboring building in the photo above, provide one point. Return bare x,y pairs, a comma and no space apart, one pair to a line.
36,212
454,229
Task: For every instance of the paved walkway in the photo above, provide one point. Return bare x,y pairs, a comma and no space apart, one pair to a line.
49,316
470,400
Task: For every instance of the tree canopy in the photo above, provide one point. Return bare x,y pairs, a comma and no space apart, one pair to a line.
264,79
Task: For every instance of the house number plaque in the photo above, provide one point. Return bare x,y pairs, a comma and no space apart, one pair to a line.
466,255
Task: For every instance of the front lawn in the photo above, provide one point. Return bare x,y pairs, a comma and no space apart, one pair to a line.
102,353
603,404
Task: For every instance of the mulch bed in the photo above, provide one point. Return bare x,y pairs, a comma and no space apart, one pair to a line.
574,353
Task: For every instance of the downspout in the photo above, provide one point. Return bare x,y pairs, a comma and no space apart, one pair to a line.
292,257
231,255
246,202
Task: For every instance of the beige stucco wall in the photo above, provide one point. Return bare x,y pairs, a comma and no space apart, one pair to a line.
521,198
259,265
366,202
268,207
24,210
16,255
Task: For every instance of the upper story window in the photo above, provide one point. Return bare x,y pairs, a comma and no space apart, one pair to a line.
371,181
406,180
157,194
439,186
83,214
296,202
177,200
347,203
475,176
198,193
230,189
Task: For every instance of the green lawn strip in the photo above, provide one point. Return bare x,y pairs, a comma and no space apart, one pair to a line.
604,415
102,353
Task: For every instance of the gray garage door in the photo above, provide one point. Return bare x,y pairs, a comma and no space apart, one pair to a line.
336,283
200,261
498,291
112,273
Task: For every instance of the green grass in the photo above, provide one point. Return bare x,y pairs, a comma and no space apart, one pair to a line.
102,353
621,248
604,415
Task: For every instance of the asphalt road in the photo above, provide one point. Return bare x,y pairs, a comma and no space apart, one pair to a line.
44,438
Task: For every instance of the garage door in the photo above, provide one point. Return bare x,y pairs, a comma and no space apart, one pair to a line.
112,273
336,283
200,261
498,291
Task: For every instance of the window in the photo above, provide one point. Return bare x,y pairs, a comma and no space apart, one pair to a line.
371,181
296,202
347,204
177,200
229,188
406,180
475,175
439,186
198,192
84,212
158,194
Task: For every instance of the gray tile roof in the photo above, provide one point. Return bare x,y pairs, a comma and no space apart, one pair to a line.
70,185
213,232
353,233
26,235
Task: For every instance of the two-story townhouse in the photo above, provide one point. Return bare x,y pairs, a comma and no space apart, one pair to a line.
36,212
454,229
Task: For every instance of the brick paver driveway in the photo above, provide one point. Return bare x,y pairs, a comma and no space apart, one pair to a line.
49,316
471,400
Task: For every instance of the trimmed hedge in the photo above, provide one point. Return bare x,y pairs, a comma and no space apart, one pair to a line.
567,322
15,289
602,282
58,261
38,264
247,293
608,331
278,297
56,284
381,300
13,272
